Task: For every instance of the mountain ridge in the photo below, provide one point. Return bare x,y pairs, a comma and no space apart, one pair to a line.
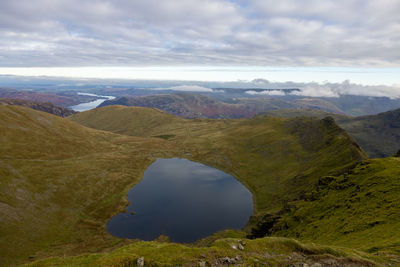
46,106
65,180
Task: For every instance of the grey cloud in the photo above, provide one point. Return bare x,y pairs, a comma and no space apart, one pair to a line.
191,32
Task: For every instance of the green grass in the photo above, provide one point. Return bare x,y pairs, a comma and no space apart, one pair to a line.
61,182
378,135
270,251
358,209
266,154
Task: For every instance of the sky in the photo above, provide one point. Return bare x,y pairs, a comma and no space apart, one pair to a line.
296,40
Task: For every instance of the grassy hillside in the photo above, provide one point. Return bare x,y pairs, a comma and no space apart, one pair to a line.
378,135
46,107
268,155
359,209
122,120
270,251
61,182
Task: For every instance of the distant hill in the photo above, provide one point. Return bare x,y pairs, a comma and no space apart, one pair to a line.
62,181
46,107
191,106
63,99
378,135
186,106
317,104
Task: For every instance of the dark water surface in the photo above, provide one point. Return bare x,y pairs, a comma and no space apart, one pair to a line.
184,200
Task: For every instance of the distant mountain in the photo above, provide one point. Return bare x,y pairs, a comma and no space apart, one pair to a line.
317,104
46,107
378,135
186,106
191,106
63,99
357,105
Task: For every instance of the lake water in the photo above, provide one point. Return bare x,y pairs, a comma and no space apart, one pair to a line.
91,104
184,200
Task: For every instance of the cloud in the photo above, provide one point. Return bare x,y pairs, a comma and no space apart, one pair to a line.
347,88
317,90
266,92
186,88
185,32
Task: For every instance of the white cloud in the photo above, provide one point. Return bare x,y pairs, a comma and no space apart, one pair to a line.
347,88
266,92
186,88
211,32
316,90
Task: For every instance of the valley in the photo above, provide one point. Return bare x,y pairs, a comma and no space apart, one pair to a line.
75,178
184,133
62,187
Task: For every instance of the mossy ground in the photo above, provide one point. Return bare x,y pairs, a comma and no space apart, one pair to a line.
270,251
358,209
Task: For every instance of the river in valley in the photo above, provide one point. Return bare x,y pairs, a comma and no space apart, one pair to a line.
183,200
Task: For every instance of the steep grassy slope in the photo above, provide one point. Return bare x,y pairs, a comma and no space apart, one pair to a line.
378,135
46,107
269,155
122,120
61,182
359,209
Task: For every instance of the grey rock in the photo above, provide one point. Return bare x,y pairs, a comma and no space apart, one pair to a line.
227,260
140,262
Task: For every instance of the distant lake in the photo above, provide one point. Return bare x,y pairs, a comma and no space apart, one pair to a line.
91,104
184,200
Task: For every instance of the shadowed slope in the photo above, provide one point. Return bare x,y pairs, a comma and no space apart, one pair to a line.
378,135
46,107
359,208
61,182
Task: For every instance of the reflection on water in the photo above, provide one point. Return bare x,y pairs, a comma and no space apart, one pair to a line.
91,104
184,200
